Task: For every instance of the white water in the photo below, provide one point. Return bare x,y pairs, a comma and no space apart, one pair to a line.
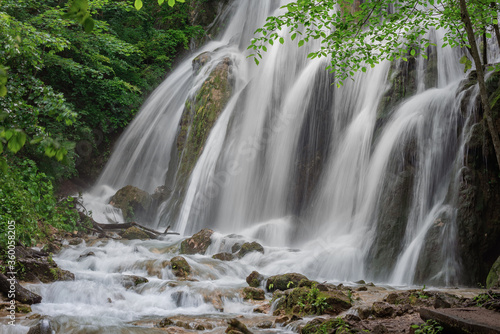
247,173
247,176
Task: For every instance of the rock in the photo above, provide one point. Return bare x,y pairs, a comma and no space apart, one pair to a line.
382,310
262,309
265,324
223,256
440,302
42,327
134,203
134,232
129,281
253,293
284,282
360,282
43,269
180,267
364,312
75,241
493,279
309,284
86,255
249,247
306,301
236,247
200,60
380,329
362,288
165,322
238,326
198,243
255,279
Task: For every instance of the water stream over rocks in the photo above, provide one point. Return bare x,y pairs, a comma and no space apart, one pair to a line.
338,184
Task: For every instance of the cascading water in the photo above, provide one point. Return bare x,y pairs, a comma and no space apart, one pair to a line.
360,187
254,164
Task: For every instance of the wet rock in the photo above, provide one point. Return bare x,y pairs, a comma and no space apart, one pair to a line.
360,282
155,267
236,326
236,247
380,329
265,324
493,279
253,293
254,279
42,327
262,309
75,241
382,310
200,60
134,203
198,243
362,288
134,232
249,247
165,323
440,302
321,325
130,281
308,284
43,269
180,267
223,256
86,255
284,282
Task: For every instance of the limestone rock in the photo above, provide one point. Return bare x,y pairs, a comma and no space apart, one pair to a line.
180,267
223,256
253,293
198,243
134,203
254,279
284,282
249,247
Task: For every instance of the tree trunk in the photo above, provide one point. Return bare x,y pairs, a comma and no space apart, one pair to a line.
480,78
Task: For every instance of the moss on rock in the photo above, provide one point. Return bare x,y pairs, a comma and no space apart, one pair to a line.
133,233
253,293
134,203
284,282
198,243
180,267
249,247
493,279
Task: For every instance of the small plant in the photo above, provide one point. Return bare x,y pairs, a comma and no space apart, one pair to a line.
430,327
289,284
271,286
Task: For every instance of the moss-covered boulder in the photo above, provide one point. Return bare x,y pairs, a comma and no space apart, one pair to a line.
134,203
200,114
382,310
180,267
284,282
493,279
130,281
249,247
198,243
42,269
223,256
200,60
133,233
308,301
253,293
322,325
254,279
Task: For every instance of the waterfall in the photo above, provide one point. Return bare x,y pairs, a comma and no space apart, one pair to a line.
358,178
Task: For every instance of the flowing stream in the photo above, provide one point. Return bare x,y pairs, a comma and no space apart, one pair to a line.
335,183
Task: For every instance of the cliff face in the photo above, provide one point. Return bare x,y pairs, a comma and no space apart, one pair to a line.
478,219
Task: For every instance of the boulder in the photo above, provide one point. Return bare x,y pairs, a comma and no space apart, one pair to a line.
255,279
236,326
180,267
43,269
134,232
253,293
493,279
198,243
223,256
130,281
200,60
249,247
382,310
284,282
134,203
22,295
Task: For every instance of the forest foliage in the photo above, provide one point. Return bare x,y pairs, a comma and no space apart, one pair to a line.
60,84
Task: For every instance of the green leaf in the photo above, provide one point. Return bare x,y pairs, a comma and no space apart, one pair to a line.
293,36
282,40
3,91
412,52
3,165
171,3
88,25
301,42
488,35
138,4
363,69
160,2
1,147
256,61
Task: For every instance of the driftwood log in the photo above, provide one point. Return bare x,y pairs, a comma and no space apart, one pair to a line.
152,233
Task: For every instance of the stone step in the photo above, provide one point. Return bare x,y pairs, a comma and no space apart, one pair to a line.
473,320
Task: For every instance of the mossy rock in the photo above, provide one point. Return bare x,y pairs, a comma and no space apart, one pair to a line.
382,310
254,279
223,256
42,269
322,326
284,282
134,232
180,267
23,308
493,279
253,293
249,247
307,301
130,281
134,202
198,243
